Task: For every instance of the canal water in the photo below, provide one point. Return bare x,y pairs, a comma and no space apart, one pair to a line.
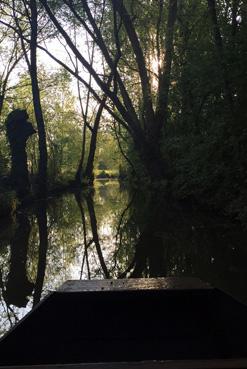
113,233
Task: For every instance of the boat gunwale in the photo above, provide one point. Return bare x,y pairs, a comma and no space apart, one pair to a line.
166,364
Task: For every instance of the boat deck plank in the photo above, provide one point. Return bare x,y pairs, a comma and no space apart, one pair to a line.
169,283
173,364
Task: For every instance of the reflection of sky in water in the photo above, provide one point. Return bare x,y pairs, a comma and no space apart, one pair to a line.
66,249
175,242
69,241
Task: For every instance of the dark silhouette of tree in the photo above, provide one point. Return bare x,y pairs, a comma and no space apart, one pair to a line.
18,132
28,35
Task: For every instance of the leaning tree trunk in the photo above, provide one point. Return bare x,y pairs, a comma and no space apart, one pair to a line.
161,115
42,167
1,103
151,157
149,146
89,175
221,55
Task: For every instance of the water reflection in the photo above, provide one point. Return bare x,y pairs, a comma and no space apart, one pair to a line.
150,251
18,287
92,227
41,214
113,234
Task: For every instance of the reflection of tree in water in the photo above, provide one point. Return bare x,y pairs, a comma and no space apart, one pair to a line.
148,236
95,237
137,248
14,282
149,258
15,285
41,213
169,239
87,243
18,286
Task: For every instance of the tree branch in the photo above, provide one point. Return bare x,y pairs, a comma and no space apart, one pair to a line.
164,81
145,83
110,62
123,111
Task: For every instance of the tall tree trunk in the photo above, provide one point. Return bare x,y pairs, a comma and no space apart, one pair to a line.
243,12
164,81
149,151
1,103
89,175
235,5
42,167
221,55
79,172
149,146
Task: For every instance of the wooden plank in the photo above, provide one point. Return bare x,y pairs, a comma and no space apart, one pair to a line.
170,283
173,364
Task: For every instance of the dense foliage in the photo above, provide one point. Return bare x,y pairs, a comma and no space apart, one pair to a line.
206,138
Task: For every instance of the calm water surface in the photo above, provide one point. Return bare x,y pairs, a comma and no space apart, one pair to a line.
113,234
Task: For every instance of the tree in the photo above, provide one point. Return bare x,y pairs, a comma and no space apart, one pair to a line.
62,124
85,169
23,13
220,49
42,171
18,132
145,126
